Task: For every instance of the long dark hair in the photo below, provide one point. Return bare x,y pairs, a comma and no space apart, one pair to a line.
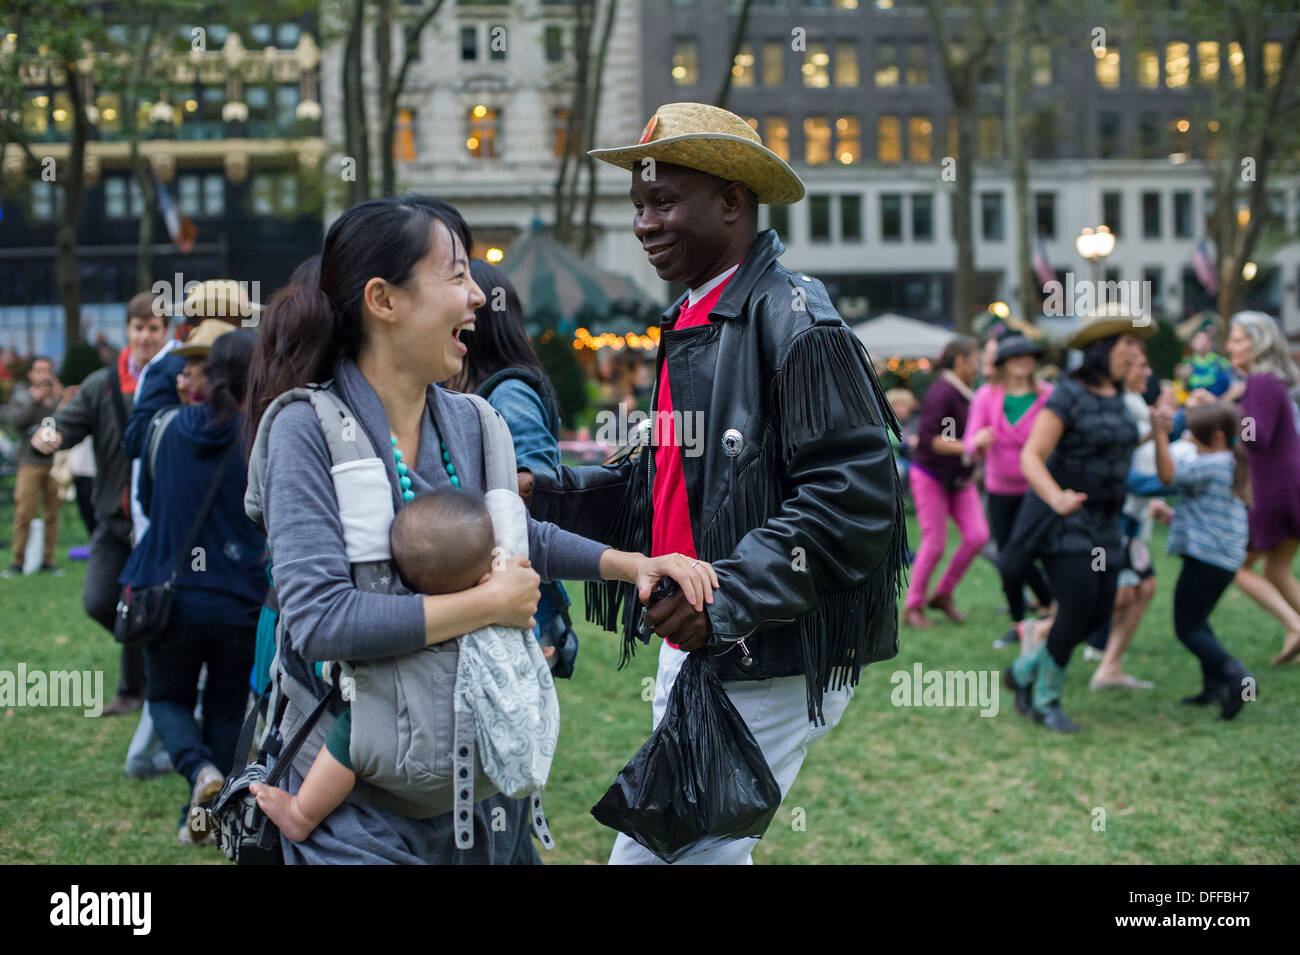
1204,420
227,373
499,339
306,329
1096,363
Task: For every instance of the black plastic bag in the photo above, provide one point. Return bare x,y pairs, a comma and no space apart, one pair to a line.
700,779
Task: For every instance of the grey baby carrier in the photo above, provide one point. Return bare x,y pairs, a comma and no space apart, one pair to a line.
415,739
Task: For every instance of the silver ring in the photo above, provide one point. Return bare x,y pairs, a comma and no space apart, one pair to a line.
692,567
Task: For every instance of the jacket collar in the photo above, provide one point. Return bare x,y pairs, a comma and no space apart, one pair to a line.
767,248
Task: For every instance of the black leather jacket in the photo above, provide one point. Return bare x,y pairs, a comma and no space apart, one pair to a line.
794,497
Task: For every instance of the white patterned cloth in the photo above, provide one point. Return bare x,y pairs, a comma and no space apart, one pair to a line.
503,679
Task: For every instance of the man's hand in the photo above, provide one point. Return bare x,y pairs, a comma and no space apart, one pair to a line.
525,479
674,619
47,440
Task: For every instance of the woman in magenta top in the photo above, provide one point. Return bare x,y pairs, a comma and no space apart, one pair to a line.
1002,415
1257,349
940,477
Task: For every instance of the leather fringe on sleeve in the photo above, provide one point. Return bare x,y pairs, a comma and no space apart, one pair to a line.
849,628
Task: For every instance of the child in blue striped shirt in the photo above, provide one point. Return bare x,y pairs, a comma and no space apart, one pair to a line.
1209,529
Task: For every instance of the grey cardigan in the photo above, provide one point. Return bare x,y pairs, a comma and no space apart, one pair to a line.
329,619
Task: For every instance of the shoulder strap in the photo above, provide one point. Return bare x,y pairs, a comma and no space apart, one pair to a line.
115,395
285,759
157,425
214,486
498,448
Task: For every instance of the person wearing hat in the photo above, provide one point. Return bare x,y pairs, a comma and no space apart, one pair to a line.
1076,462
793,495
1002,415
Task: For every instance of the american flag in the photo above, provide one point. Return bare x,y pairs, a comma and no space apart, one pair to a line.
180,227
1203,265
1042,267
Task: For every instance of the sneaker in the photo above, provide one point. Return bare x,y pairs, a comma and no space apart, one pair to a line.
1234,697
1091,653
1009,639
1054,718
13,570
187,839
207,784
52,570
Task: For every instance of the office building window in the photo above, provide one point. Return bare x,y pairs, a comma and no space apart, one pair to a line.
918,71
1272,61
816,66
553,42
1277,208
214,194
1237,63
1148,69
742,69
848,139
404,138
469,43
1207,62
920,131
778,219
819,218
1045,214
1182,215
1178,65
891,217
286,35
686,69
773,63
952,135
776,135
189,197
1150,215
1153,278
990,137
889,139
922,217
210,104
1108,67
1150,143
991,222
846,64
123,198
261,34
1043,141
286,105
1108,134
1112,212
483,141
1040,62
886,63
817,140
851,218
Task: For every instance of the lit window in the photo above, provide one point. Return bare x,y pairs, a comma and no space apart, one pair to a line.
776,136
685,63
816,66
404,140
1107,67
742,69
846,64
1148,69
484,128
889,139
1207,61
1272,61
990,137
1237,63
1040,58
918,73
773,64
886,64
817,140
1178,65
848,140
110,113
919,133
952,135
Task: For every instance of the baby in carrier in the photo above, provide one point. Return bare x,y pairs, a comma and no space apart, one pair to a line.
441,543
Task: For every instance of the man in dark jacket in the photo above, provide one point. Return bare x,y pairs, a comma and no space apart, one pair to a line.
100,409
35,489
767,455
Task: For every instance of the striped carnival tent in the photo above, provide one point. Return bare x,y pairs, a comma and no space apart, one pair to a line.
559,288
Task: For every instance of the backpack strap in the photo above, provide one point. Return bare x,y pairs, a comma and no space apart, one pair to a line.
499,469
157,425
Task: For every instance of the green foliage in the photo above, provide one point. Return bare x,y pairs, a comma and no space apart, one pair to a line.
81,359
555,351
1164,350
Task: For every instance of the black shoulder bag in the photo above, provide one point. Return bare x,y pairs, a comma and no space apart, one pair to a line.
144,614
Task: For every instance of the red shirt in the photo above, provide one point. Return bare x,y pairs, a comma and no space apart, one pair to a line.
670,530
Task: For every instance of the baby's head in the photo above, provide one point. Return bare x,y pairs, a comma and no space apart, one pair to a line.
442,542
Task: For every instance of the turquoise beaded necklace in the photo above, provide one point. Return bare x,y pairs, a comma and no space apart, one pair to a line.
404,480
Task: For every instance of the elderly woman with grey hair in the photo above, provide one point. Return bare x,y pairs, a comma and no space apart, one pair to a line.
1257,349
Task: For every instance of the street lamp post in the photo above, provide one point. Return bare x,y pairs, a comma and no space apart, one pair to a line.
1095,245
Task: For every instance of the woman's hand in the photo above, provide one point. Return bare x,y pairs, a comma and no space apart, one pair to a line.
695,577
1067,501
983,438
515,591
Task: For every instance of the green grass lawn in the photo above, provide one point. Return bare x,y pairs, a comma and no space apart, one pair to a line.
890,784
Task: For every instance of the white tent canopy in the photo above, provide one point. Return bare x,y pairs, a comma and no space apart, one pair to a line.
893,336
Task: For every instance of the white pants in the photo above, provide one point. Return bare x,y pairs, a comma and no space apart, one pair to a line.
776,712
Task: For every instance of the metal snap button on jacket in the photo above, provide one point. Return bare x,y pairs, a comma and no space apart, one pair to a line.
732,442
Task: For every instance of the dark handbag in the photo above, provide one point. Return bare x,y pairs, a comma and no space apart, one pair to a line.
144,613
243,831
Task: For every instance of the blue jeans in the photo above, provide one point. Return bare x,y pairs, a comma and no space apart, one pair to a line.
173,664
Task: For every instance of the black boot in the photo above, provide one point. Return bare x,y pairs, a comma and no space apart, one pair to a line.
1238,678
1023,706
1054,718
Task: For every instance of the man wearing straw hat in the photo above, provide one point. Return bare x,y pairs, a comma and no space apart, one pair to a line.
792,494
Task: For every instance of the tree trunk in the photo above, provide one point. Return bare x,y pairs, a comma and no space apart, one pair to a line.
66,239
144,244
1017,129
356,140
963,293
570,168
588,235
725,91
383,66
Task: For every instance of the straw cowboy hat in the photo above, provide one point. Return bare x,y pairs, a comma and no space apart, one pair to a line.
200,341
711,140
1112,319
218,298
